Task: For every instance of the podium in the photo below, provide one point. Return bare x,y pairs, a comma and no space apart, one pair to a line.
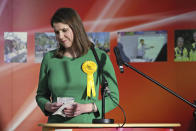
110,127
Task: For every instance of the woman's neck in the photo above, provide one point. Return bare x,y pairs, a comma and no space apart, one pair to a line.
70,53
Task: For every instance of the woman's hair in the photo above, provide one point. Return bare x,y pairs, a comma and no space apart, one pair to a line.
81,42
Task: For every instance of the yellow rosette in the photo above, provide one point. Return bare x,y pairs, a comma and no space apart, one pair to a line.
89,67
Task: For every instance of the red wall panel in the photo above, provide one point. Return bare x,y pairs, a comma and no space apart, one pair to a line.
142,100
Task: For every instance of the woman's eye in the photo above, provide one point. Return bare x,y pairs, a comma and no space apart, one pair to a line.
65,30
56,32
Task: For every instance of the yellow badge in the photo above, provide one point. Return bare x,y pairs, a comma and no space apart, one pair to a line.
89,67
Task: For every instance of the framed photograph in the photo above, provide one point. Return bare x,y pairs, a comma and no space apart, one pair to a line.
143,46
101,40
185,46
44,42
15,47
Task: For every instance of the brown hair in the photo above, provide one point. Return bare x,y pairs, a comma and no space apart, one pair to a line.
70,17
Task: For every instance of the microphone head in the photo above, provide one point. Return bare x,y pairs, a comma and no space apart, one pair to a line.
118,59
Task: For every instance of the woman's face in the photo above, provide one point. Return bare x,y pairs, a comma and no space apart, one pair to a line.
64,34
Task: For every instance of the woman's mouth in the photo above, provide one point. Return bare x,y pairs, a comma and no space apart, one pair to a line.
64,41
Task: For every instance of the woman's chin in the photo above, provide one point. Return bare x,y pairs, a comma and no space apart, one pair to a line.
66,45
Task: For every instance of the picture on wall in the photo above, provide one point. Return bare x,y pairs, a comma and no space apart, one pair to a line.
185,45
101,40
15,47
44,42
143,46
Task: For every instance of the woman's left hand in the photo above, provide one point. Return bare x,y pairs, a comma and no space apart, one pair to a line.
77,109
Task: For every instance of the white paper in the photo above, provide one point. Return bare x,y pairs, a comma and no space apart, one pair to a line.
67,102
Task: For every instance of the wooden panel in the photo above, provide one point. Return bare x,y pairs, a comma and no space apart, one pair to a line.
134,125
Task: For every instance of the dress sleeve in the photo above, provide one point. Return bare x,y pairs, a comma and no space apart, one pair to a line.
109,74
43,92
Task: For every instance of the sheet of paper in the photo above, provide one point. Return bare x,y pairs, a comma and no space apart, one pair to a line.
67,101
64,99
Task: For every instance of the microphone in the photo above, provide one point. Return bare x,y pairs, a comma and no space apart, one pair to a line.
118,59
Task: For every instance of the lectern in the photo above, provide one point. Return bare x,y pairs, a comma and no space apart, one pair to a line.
110,127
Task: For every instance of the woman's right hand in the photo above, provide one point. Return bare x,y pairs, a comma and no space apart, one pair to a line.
52,107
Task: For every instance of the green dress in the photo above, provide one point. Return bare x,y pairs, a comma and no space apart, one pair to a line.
64,77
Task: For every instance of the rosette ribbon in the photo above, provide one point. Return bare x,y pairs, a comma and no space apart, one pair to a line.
89,67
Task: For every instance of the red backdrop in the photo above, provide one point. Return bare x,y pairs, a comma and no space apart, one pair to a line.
142,100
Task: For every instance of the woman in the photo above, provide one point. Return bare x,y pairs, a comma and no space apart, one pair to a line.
63,73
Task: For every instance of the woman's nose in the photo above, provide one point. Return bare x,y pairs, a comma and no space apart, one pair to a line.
60,35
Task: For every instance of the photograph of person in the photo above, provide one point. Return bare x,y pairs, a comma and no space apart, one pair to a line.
181,53
193,48
143,46
185,45
15,47
70,73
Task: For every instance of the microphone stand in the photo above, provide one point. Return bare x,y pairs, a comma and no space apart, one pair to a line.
104,90
165,88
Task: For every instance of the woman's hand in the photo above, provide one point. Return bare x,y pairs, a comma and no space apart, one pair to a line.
52,107
77,109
